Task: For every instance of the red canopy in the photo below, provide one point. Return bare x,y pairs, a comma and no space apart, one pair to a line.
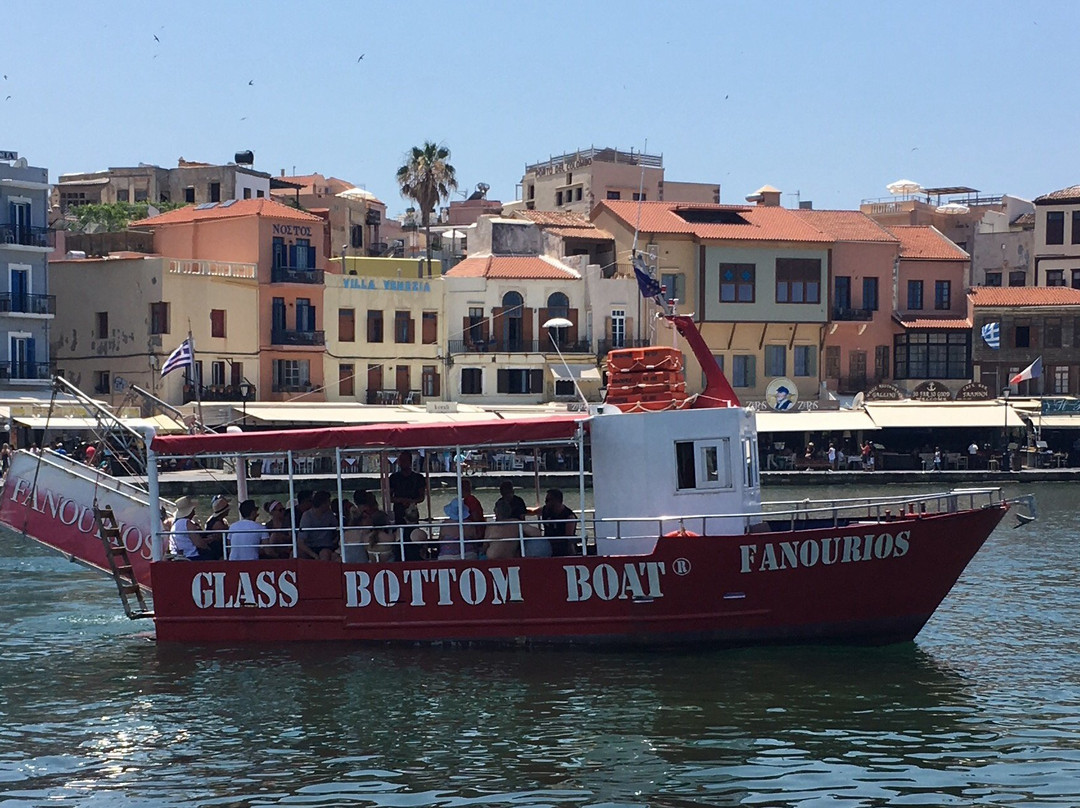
495,432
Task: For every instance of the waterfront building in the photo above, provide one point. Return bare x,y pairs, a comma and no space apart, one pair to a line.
577,181
190,182
1032,322
123,314
357,217
933,340
1057,238
288,247
385,332
497,301
755,278
1003,247
27,307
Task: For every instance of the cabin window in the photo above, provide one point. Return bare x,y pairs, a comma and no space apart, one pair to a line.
702,464
750,462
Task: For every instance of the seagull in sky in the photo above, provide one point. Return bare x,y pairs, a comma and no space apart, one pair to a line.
251,83
362,55
156,39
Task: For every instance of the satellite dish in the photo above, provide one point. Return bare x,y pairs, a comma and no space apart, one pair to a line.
858,402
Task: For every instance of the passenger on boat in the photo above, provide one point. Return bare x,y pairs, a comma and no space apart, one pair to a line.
366,508
476,510
246,536
216,527
299,506
509,505
558,523
504,538
278,542
450,533
381,543
318,529
187,539
407,491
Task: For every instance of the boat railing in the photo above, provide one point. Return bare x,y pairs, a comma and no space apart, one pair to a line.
94,476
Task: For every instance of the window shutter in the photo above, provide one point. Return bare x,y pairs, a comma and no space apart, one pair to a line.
751,375
607,329
292,255
436,380
31,355
811,360
311,257
630,336
411,330
572,331
536,381
503,380
467,334
527,327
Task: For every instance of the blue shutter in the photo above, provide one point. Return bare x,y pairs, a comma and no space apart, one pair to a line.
311,257
292,255
31,368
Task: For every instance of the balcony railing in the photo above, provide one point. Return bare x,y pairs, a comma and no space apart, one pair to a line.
218,392
32,371
284,274
285,337
216,269
605,346
13,303
26,236
845,313
458,346
389,397
300,387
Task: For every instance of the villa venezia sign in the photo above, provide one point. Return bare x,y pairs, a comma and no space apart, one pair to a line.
931,391
386,285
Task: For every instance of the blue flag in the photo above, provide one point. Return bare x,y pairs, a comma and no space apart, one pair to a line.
991,333
649,286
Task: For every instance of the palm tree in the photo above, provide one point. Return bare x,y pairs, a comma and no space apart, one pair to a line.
426,178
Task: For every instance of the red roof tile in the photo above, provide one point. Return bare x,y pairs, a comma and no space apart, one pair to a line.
846,225
516,267
1024,296
239,208
1065,195
746,223
562,218
925,243
938,323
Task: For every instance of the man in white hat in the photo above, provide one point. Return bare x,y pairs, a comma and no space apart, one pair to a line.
186,539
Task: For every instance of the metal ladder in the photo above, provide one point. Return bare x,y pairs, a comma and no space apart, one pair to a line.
120,564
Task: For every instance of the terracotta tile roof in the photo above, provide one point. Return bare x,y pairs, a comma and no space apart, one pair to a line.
1065,195
1024,220
238,209
515,267
925,243
590,232
936,323
739,222
1024,296
318,184
846,225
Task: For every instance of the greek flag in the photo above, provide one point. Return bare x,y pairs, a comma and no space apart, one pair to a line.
991,333
179,358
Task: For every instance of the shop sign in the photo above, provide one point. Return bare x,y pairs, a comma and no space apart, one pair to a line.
1054,406
975,391
884,392
931,391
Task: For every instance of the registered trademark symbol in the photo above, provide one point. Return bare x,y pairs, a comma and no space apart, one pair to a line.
681,566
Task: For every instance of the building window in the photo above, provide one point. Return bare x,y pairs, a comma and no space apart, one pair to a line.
933,355
842,292
870,294
942,295
1052,335
159,318
881,361
102,383
719,363
1061,379
642,197
346,380
217,374
1055,227
346,325
247,193
558,198
775,360
121,194
356,236
101,329
189,194
475,332
217,322
577,194
832,361
805,360
237,373
140,194
1018,277
614,195
215,192
305,315
1022,336
737,283
429,328
674,284
618,328
403,327
532,191
993,279
291,375
429,381
1076,279
520,381
472,381
1055,277
914,295
742,371
798,280
374,326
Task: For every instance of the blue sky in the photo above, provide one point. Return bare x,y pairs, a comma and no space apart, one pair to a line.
831,100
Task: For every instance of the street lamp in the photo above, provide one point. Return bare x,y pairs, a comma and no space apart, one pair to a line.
246,389
562,322
1005,445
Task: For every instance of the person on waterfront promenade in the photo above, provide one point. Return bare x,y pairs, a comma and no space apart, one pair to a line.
318,529
558,523
407,490
937,459
278,542
832,456
867,456
187,538
246,536
216,527
5,459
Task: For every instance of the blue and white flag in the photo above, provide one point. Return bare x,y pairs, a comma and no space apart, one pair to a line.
991,333
648,285
181,357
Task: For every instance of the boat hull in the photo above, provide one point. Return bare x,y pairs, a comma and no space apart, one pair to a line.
870,583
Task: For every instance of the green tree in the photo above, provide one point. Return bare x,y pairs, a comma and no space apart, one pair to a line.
113,217
426,178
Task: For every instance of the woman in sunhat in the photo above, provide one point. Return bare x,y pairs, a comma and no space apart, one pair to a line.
279,537
186,540
216,527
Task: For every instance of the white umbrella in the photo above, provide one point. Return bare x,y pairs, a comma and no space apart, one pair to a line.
903,187
953,209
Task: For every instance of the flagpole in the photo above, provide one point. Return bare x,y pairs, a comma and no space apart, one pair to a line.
195,370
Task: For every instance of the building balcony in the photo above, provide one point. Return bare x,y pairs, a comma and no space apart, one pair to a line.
218,392
280,336
605,346
301,387
391,397
13,303
25,371
214,269
12,235
377,249
458,346
844,313
284,274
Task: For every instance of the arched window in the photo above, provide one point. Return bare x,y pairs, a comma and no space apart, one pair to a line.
513,305
558,305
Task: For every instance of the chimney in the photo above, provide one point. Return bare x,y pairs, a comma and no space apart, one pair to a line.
766,196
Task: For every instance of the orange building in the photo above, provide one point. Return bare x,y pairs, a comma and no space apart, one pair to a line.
288,247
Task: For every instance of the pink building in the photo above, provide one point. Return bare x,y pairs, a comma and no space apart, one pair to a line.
287,245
